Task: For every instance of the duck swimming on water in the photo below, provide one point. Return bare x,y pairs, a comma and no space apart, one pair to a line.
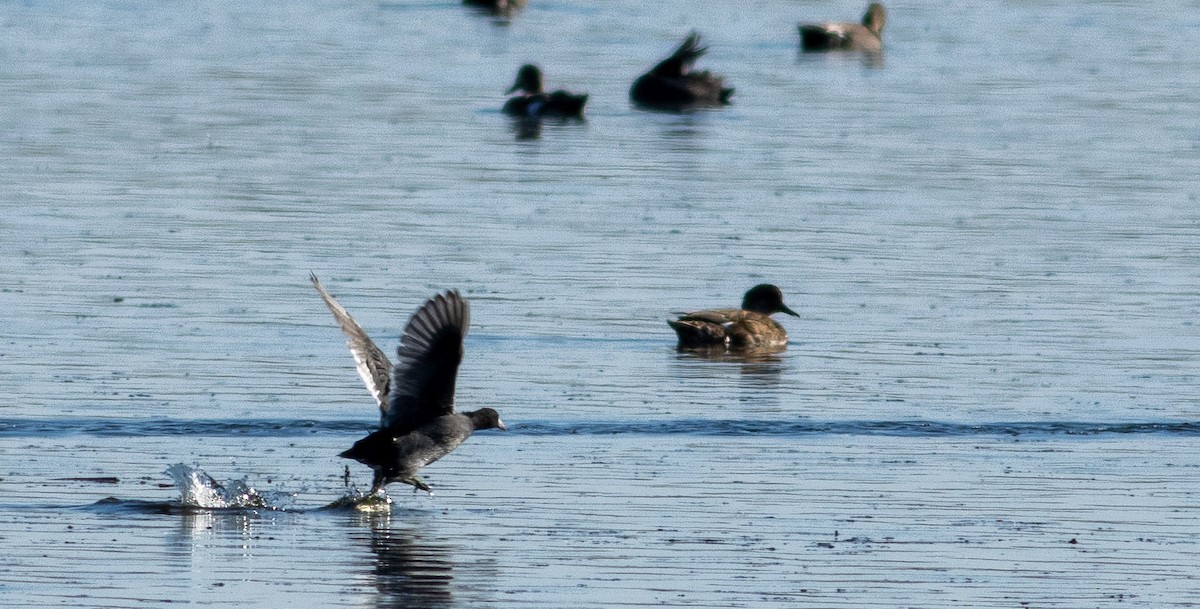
417,422
673,86
501,8
534,102
867,36
747,329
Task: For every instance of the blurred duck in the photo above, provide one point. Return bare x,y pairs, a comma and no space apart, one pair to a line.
417,422
533,102
672,85
846,36
502,8
747,329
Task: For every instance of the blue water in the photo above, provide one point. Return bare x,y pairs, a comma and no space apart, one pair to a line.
268,428
990,235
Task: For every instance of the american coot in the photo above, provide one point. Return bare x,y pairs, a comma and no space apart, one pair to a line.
534,102
866,36
672,85
738,330
417,422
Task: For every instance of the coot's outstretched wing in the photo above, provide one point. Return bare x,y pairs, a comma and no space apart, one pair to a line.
429,354
680,62
373,366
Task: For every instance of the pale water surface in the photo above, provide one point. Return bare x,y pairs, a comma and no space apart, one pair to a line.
991,235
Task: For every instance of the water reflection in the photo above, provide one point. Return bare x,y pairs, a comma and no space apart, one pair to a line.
759,374
530,127
526,128
198,521
686,132
410,570
763,366
228,533
719,353
761,370
868,59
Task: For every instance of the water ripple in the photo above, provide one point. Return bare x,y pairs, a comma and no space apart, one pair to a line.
915,428
697,427
175,427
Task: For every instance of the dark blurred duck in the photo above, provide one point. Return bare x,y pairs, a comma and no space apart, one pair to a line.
533,102
502,8
417,422
747,329
672,85
846,36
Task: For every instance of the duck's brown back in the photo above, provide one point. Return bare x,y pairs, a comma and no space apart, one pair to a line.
735,329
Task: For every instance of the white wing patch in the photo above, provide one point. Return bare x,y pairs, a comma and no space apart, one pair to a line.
365,373
370,362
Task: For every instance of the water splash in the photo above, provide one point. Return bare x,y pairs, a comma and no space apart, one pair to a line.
199,490
357,500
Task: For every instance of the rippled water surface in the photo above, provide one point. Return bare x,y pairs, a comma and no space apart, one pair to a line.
989,399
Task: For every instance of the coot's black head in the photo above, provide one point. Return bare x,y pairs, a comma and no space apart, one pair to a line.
486,418
766,299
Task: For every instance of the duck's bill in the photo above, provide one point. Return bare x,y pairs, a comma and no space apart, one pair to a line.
789,312
500,425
